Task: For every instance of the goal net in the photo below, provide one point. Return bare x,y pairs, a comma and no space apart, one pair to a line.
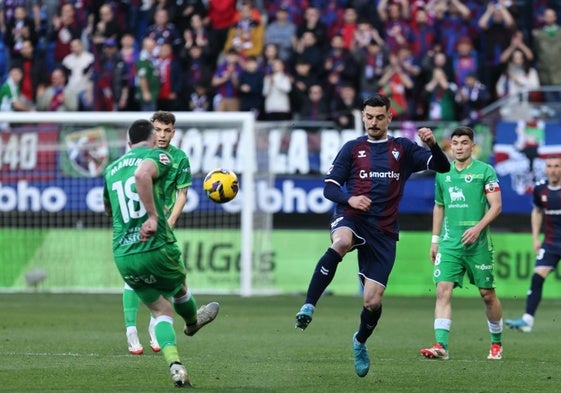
54,235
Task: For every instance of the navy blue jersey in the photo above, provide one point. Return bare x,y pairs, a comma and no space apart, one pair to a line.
549,201
377,169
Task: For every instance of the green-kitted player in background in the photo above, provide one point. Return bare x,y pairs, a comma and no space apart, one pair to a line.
176,185
467,200
144,246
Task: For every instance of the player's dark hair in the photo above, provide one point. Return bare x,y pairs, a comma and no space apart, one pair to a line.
377,100
139,131
461,131
163,117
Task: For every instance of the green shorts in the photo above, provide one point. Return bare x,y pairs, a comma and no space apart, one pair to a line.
452,265
153,273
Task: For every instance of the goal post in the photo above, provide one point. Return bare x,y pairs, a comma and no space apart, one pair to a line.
51,177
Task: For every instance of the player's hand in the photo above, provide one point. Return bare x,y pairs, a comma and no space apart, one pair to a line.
433,252
426,136
470,236
148,228
360,202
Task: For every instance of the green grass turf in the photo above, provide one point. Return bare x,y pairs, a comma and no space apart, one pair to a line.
76,343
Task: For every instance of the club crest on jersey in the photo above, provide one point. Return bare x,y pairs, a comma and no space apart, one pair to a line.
448,179
544,198
395,153
361,154
164,159
468,178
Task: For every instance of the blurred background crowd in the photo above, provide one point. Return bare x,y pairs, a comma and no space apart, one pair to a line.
281,59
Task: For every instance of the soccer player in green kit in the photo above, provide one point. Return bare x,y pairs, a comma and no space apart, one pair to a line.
176,185
144,246
467,200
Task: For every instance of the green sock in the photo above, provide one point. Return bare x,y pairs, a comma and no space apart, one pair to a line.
496,338
130,307
166,338
441,336
186,307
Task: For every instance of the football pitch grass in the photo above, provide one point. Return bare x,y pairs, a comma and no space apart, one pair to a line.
76,343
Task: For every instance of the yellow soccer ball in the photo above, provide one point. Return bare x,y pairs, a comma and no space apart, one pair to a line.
221,185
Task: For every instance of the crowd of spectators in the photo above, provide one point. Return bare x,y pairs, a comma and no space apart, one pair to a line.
281,59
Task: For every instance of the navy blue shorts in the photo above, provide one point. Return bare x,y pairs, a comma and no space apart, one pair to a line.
376,249
548,256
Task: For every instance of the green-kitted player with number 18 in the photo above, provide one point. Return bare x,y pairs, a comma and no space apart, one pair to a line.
145,247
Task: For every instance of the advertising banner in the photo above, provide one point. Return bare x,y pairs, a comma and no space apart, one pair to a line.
283,262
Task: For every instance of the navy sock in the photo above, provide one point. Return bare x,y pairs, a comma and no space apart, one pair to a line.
535,294
368,321
323,275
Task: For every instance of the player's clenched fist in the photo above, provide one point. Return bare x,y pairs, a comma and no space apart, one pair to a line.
427,136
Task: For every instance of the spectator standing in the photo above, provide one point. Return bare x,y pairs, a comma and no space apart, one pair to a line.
344,105
309,48
471,97
465,60
219,18
163,31
225,81
547,46
395,17
247,36
282,33
372,60
129,54
109,79
171,78
57,96
314,106
79,65
497,25
423,33
197,70
65,29
103,26
302,80
519,76
10,97
395,83
276,90
35,75
339,66
20,28
147,77
312,24
440,93
452,21
251,87
196,34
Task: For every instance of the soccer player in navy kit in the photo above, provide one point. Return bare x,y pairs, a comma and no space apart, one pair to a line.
547,208
373,169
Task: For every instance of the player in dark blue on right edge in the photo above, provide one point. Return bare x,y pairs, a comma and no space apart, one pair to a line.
547,205
373,169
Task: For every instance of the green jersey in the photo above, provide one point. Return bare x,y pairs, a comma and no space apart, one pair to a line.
128,211
179,177
145,68
463,195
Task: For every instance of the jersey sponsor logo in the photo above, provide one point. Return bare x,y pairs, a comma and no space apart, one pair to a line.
484,267
456,194
492,187
550,212
361,154
164,159
382,175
